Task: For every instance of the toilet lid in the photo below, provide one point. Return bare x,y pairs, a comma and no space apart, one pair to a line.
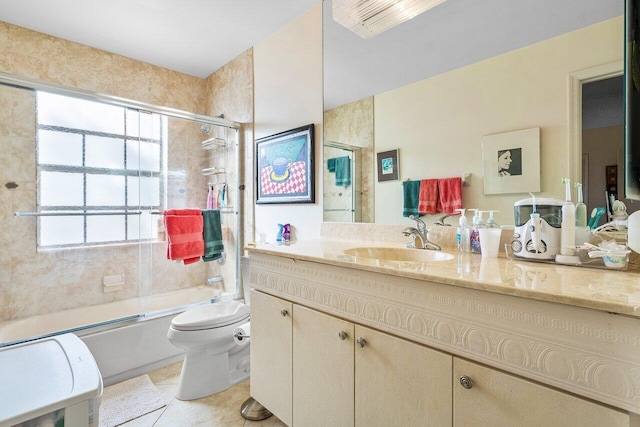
209,316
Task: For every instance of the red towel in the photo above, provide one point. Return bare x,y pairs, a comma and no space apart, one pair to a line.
185,240
449,195
428,198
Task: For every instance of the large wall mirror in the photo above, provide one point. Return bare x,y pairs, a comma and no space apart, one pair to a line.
435,86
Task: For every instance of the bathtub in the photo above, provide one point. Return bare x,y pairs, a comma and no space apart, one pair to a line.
125,348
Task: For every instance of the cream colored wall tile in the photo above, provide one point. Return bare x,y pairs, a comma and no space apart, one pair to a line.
352,124
230,92
51,281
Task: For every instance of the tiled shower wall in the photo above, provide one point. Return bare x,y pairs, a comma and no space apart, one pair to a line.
34,282
230,92
352,124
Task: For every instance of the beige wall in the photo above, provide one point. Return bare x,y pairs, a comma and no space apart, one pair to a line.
38,282
438,123
288,94
30,280
39,56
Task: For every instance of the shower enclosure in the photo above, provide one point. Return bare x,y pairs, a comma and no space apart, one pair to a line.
85,180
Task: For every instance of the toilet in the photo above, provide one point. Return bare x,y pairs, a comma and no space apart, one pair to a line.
213,362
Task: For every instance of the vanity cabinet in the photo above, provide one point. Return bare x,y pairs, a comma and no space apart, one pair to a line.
314,369
487,397
368,348
271,354
400,383
323,369
346,374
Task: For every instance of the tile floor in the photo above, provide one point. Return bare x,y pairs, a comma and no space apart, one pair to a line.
220,410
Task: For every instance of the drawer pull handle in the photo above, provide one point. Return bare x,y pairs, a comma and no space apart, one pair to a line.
466,382
284,312
342,335
361,342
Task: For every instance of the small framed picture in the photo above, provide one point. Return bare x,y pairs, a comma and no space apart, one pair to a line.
388,166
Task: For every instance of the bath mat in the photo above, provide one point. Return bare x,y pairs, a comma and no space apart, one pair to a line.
128,400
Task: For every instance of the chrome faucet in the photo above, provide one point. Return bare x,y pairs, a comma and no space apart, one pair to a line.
420,238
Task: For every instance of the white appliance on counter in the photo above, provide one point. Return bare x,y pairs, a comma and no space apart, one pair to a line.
537,229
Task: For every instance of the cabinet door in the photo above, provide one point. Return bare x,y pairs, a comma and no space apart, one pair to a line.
271,353
322,369
499,399
400,383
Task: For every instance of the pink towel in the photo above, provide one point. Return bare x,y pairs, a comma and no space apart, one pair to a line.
449,195
185,239
428,198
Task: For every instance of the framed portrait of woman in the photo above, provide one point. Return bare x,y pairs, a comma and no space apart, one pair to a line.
511,162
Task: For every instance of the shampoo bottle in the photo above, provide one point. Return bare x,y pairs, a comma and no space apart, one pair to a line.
462,232
568,225
581,209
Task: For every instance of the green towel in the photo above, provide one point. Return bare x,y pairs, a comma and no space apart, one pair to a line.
411,193
331,165
212,233
343,171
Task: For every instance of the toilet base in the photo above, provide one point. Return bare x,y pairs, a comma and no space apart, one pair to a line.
204,374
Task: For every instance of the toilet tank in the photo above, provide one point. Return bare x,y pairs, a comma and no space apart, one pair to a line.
50,381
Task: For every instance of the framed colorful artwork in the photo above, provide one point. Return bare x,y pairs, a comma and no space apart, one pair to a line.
284,167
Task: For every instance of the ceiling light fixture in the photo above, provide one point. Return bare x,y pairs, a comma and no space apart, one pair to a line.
368,18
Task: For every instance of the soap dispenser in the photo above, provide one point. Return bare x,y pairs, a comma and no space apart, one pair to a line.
491,223
478,223
463,236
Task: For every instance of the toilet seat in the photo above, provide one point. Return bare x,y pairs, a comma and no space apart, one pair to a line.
210,316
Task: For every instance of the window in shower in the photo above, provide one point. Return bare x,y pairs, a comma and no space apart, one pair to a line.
99,172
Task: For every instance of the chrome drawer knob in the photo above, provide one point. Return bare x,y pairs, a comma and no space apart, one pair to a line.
342,335
284,312
361,342
466,382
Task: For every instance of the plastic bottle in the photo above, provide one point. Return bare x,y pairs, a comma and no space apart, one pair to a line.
478,223
286,233
581,209
279,235
568,225
462,233
491,223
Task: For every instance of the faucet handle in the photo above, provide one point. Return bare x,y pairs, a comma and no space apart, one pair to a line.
440,221
420,223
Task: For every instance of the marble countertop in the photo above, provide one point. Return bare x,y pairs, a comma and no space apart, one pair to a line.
599,289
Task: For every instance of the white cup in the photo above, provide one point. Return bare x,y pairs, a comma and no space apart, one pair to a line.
490,242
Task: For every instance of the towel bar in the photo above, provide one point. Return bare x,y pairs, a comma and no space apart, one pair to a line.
74,213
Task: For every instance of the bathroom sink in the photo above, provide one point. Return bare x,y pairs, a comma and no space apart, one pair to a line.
398,254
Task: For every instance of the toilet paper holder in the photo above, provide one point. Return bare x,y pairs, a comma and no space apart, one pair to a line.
240,336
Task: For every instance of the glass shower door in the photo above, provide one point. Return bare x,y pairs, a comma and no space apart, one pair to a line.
339,204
